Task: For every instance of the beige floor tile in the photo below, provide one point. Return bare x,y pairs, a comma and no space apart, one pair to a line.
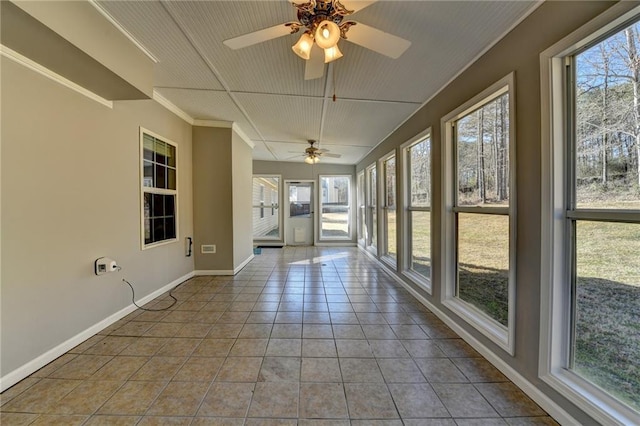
214,347
240,369
249,347
480,422
531,421
165,329
280,369
144,346
378,331
216,421
370,401
41,397
388,349
179,399
440,370
323,401
353,349
508,400
58,420
322,348
132,398
197,329
102,420
17,389
87,397
275,399
400,370
110,345
317,422
423,349
255,331
479,370
81,367
179,346
162,421
417,400
457,348
317,331
199,369
409,332
120,368
17,419
227,400
161,368
348,331
463,400
284,347
360,370
320,370
225,331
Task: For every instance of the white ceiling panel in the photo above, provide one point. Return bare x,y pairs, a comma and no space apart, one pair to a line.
209,105
269,67
150,24
262,88
362,123
284,118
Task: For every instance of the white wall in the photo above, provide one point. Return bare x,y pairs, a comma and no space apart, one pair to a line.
70,194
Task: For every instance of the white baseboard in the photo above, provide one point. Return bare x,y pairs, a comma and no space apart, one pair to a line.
201,272
543,400
34,365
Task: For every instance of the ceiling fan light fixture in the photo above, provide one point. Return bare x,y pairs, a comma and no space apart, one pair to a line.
303,47
331,54
311,159
327,34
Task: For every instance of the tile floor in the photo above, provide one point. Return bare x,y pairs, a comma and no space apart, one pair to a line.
307,336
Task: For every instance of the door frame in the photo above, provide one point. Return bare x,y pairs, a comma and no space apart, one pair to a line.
286,213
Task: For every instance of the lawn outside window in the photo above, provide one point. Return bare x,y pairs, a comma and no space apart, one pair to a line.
371,217
159,190
388,211
590,313
416,165
479,212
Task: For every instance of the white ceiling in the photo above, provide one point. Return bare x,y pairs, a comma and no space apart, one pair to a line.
262,88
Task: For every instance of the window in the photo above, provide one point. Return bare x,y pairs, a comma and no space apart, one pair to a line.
417,166
479,203
159,189
389,219
266,216
361,210
372,209
590,349
335,205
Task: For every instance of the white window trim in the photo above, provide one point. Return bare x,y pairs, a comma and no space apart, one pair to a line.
555,318
349,236
361,204
144,189
405,267
502,336
382,212
370,228
279,210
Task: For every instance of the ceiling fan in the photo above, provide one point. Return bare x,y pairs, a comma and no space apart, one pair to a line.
322,22
312,154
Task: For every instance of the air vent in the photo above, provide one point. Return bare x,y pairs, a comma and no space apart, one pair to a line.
208,248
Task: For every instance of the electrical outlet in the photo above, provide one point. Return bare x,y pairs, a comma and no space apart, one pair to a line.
208,248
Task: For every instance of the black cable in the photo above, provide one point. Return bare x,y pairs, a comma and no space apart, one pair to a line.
133,298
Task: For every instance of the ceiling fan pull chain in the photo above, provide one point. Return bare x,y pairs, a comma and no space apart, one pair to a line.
333,68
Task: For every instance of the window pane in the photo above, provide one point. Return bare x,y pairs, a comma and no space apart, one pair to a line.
171,155
161,152
390,181
171,178
299,199
483,263
335,195
158,229
147,180
607,142
420,174
482,140
266,220
147,147
421,243
169,228
607,307
148,236
391,232
160,176
158,205
169,205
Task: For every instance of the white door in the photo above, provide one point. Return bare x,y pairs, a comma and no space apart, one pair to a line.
299,215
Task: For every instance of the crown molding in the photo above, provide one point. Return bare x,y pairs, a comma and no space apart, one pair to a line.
171,107
34,66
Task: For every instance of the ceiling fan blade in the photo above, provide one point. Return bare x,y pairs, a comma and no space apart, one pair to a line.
326,154
314,68
257,36
378,41
357,5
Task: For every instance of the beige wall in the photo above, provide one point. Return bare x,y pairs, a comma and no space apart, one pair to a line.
519,51
71,194
242,191
213,197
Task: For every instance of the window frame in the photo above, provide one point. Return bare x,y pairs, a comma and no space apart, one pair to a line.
557,218
349,207
162,191
361,190
503,337
277,208
407,243
384,209
371,245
